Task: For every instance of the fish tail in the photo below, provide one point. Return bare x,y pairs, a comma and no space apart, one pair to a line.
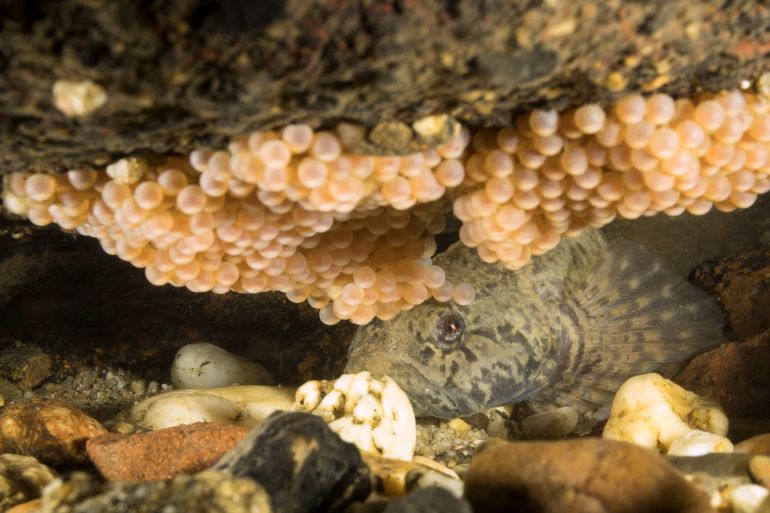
629,315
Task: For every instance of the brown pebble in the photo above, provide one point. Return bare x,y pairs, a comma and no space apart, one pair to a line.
392,476
52,431
24,366
579,476
164,453
759,444
733,375
759,468
22,478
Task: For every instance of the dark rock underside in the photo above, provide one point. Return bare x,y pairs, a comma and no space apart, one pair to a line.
186,73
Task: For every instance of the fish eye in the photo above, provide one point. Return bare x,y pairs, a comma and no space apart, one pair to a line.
449,330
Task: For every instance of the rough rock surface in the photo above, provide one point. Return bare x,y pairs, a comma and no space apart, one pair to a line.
587,475
24,366
164,453
22,478
734,375
182,73
302,464
53,432
206,492
742,285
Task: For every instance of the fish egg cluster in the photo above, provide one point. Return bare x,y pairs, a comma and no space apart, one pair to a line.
352,235
287,211
554,174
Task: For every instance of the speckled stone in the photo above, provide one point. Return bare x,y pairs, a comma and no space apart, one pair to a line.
302,464
24,366
579,476
164,453
206,492
21,479
53,432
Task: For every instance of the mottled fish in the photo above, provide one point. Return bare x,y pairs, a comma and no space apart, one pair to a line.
565,330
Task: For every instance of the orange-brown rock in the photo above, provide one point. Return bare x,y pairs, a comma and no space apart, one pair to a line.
759,444
742,286
26,507
52,431
164,453
734,375
580,476
759,468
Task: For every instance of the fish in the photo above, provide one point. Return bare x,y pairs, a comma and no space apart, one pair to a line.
567,329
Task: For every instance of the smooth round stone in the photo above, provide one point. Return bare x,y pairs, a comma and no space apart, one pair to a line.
550,425
651,411
204,365
698,443
759,444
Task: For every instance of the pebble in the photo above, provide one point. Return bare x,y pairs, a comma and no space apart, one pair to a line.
326,472
164,453
26,507
550,425
501,424
24,366
78,98
759,444
204,492
374,414
398,477
759,468
246,405
580,476
749,498
204,365
714,487
22,479
651,411
53,432
697,443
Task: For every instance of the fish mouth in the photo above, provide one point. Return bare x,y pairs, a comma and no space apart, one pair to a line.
431,400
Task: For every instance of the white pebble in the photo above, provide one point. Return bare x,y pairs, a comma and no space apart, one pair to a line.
203,365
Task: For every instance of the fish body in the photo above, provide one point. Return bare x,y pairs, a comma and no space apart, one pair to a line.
565,330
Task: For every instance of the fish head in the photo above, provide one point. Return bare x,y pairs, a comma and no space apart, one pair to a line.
449,359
